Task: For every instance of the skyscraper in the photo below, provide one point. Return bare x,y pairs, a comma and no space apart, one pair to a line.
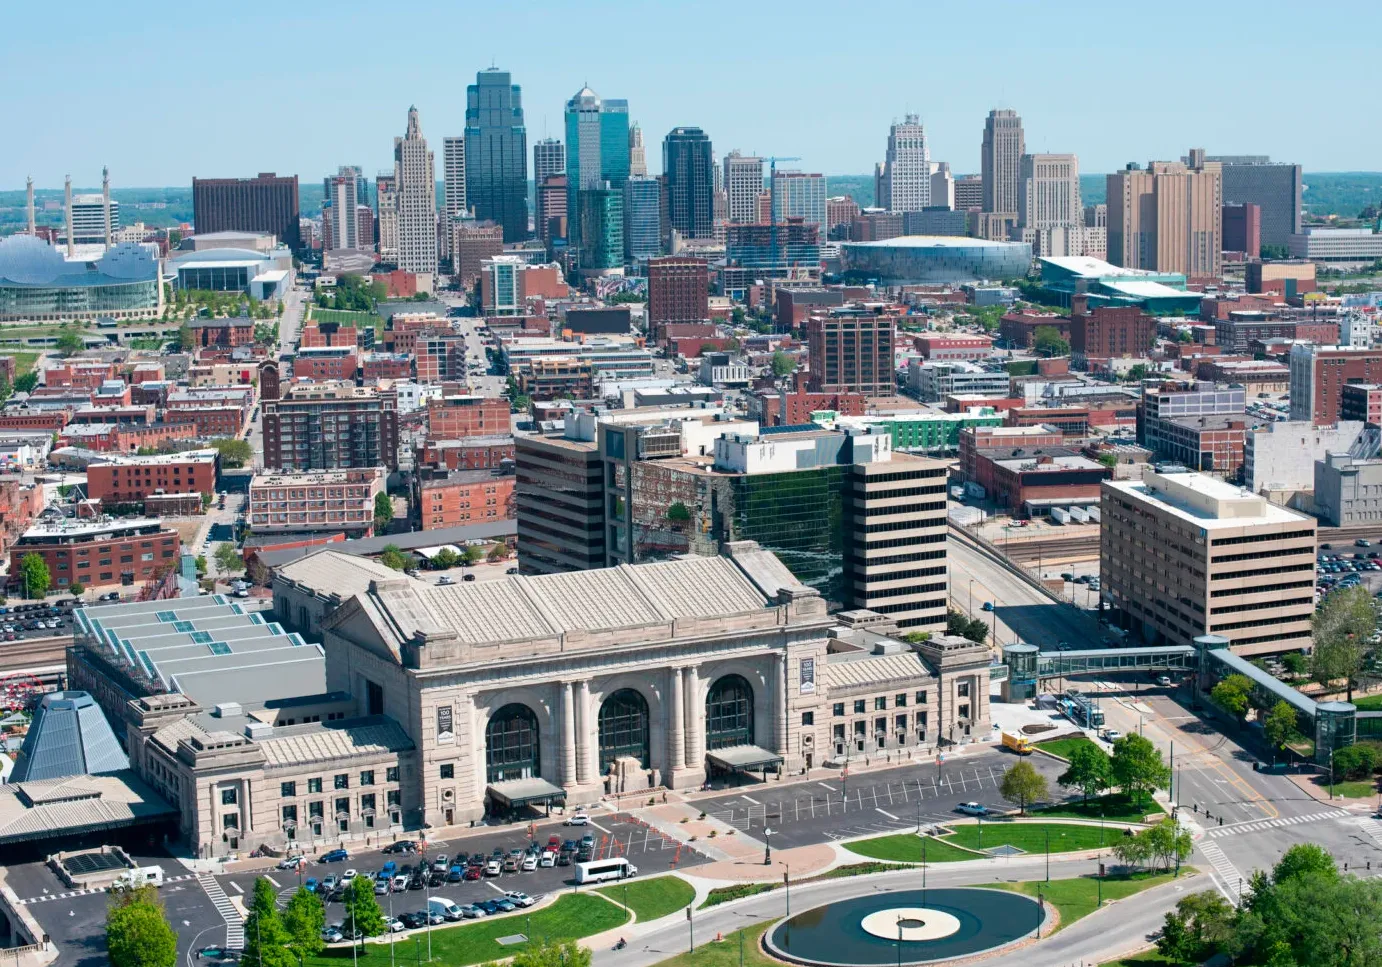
549,158
1001,159
638,159
1275,188
942,186
265,203
496,149
597,161
1049,212
743,184
342,194
415,172
386,217
1168,217
551,209
642,218
453,173
689,168
800,195
906,177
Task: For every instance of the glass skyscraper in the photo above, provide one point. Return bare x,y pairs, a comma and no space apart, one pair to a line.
496,153
642,219
601,229
597,158
688,164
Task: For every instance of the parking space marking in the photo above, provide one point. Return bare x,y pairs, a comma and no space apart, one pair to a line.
273,881
888,814
236,887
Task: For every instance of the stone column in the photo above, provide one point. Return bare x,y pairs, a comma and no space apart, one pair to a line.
568,735
780,704
583,732
676,725
693,711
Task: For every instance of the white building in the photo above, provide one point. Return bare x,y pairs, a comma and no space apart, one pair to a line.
800,195
906,181
453,174
1279,458
743,180
942,186
1050,216
638,158
89,219
386,218
341,228
415,175
1337,245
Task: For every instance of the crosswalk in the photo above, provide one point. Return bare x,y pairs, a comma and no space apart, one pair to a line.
1218,832
45,898
235,927
1373,828
1227,874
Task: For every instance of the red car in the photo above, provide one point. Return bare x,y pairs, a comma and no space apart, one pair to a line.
474,872
554,843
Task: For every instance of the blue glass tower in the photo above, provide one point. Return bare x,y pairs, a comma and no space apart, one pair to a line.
496,153
597,159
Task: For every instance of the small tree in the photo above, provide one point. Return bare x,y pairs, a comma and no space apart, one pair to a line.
1168,843
361,909
1088,770
678,513
1137,767
1231,694
69,343
265,935
445,559
228,559
34,576
1341,629
783,364
1023,785
548,954
470,554
1354,762
1047,341
137,931
498,552
383,510
1279,724
234,453
77,588
185,338
393,556
304,918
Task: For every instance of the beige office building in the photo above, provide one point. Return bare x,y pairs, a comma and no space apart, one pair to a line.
1167,217
1185,554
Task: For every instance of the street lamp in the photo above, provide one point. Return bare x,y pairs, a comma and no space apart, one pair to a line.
767,846
971,597
787,886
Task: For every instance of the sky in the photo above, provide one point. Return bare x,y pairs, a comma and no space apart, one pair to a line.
162,92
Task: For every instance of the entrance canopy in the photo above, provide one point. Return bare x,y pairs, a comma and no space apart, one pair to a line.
743,757
522,792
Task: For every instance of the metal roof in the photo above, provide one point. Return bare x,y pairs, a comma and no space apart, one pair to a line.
69,737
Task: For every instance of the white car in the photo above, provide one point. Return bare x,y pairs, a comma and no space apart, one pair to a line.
289,863
400,883
332,935
549,858
394,924
493,867
529,862
1112,735
972,809
519,898
578,819
348,875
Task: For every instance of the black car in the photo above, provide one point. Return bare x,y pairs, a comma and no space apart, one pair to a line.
402,846
414,920
435,879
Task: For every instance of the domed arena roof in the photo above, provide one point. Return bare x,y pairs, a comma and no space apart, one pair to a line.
30,261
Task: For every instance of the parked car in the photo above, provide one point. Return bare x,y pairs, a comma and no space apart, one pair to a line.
988,606
311,884
530,861
494,867
519,898
444,580
394,925
577,819
455,874
549,858
972,809
334,856
473,873
440,862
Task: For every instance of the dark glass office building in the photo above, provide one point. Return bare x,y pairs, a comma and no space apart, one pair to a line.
496,153
265,203
689,166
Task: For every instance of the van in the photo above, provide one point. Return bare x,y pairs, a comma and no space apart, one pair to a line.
141,876
1018,743
598,871
446,908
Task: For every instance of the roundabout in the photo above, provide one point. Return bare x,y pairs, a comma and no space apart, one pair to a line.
906,927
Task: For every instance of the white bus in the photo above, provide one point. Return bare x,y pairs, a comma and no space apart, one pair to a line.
598,871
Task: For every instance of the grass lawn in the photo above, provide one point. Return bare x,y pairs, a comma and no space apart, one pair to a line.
23,362
650,899
349,317
1063,747
570,918
906,848
1079,897
1032,837
1350,788
725,953
1114,807
1368,703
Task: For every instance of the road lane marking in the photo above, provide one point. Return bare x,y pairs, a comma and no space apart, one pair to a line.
750,799
889,815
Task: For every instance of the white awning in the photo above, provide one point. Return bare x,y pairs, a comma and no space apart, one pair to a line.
743,757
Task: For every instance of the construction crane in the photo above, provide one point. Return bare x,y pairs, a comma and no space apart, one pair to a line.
772,203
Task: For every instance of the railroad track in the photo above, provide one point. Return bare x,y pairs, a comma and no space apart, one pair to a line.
27,654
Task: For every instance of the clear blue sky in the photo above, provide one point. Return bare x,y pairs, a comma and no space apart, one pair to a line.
163,91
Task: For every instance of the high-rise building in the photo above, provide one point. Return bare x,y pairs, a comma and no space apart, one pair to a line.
689,167
551,209
1182,555
549,158
386,217
789,251
265,203
840,211
496,150
89,219
1167,217
453,175
415,173
342,193
330,426
1319,374
743,181
642,218
638,157
678,290
851,352
559,501
942,186
1275,188
597,160
1243,229
1001,160
906,176
969,193
471,243
1049,214
799,195
601,231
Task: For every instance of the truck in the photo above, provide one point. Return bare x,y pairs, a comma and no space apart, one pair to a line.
1079,515
1018,743
1059,515
140,876
975,490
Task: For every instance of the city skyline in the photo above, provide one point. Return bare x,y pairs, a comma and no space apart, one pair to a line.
1062,110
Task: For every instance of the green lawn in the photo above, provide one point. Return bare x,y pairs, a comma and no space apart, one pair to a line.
725,953
653,898
1079,897
23,362
348,317
1368,703
1114,807
572,917
1063,747
1350,788
906,848
1032,837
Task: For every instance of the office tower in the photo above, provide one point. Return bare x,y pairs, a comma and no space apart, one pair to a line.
638,158
1172,589
361,182
969,193
1319,374
942,186
906,175
642,218
840,211
1001,160
1243,229
851,352
551,210
471,243
415,173
559,502
1049,214
549,158
678,290
496,150
453,177
1275,188
597,161
364,227
689,168
762,253
265,203
89,218
1167,217
331,426
799,195
386,217
743,180
340,227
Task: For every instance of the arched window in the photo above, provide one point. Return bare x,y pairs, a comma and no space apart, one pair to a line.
729,713
511,745
623,728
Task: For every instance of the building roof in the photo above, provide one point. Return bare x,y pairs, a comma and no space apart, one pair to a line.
340,573
497,530
1205,501
934,241
76,804
1146,289
26,261
1049,464
332,741
69,736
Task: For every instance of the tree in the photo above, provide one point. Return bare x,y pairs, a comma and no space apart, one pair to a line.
1137,373
1279,724
1354,762
1047,341
304,918
678,513
958,623
69,342
137,931
1199,924
470,554
1295,663
1304,859
1231,694
1168,842
77,588
383,510
549,954
1023,785
1088,770
258,572
265,934
25,382
34,576
497,552
1137,766
361,909
1341,628
185,342
783,364
445,559
234,453
393,556
228,559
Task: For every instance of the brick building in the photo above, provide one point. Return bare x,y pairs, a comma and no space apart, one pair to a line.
1210,444
328,334
331,426
977,439
471,453
335,500
678,290
852,352
463,497
376,366
458,417
953,345
471,244
1361,401
130,479
1109,332
97,553
783,408
236,331
1017,330
1027,482
323,363
1319,374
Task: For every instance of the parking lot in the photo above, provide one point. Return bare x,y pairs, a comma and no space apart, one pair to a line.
20,622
